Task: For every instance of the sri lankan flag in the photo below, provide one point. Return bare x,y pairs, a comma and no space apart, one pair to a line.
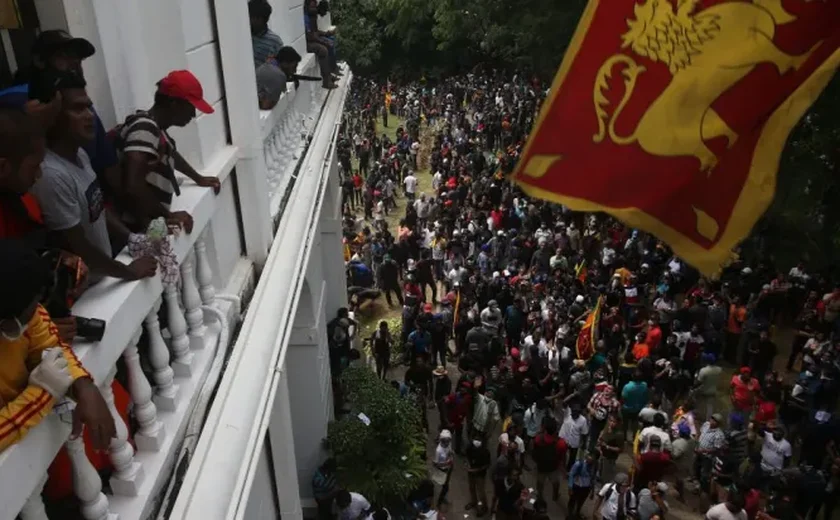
588,335
580,271
671,115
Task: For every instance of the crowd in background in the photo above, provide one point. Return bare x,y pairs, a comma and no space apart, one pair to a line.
684,376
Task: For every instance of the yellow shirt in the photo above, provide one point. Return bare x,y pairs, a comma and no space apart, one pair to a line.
24,405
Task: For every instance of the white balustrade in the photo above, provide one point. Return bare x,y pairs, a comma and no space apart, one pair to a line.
204,273
151,434
34,508
192,304
166,391
179,342
86,483
128,473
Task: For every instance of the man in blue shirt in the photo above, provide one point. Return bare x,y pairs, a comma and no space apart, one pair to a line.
420,341
634,396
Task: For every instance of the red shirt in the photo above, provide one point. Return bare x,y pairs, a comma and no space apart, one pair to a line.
18,220
457,408
742,393
652,465
654,336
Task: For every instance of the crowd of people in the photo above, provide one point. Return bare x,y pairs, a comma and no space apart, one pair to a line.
586,351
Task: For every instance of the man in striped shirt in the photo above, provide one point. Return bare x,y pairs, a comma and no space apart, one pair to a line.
266,43
325,487
149,155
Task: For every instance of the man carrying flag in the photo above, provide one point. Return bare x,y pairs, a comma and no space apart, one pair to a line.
671,115
588,335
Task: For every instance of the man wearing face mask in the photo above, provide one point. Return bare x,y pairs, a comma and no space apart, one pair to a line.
478,461
36,368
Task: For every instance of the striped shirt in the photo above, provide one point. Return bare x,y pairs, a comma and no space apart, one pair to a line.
141,133
266,46
711,439
323,484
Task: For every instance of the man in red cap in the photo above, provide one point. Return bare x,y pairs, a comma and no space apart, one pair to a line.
150,157
743,389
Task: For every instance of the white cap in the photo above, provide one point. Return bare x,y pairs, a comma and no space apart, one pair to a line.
579,298
746,270
445,434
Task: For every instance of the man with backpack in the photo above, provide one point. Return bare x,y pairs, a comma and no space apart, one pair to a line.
549,454
150,158
615,501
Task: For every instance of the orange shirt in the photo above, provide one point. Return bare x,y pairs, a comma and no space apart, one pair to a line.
737,315
654,336
641,350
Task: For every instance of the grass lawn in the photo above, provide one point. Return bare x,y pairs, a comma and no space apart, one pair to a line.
370,315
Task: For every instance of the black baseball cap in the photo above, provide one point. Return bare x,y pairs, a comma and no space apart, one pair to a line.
49,42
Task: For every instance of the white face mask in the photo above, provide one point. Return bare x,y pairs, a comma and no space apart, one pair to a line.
477,443
21,331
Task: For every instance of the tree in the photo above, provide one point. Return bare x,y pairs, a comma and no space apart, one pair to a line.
382,460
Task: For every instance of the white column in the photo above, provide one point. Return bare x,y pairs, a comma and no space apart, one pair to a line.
179,342
166,391
204,272
128,473
232,24
333,256
86,483
151,434
283,452
34,509
192,304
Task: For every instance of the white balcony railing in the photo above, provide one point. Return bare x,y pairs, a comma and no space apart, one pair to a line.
178,359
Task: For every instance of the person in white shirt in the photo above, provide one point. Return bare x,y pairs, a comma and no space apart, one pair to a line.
512,445
352,506
607,256
615,499
410,183
575,427
442,464
657,430
775,452
437,181
732,509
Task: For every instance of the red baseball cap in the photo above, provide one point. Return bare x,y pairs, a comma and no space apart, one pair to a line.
428,307
182,84
746,370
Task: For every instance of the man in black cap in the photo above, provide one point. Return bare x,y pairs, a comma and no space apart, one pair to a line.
56,52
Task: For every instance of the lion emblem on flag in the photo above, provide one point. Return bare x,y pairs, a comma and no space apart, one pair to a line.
707,52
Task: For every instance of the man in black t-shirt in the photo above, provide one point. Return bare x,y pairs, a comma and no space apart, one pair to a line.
507,499
478,461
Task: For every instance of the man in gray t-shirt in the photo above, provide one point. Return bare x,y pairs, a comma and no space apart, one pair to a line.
69,195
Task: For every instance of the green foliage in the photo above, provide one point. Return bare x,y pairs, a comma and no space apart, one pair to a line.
803,222
391,38
382,461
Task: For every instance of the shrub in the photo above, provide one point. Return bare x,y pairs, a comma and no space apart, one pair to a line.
384,460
